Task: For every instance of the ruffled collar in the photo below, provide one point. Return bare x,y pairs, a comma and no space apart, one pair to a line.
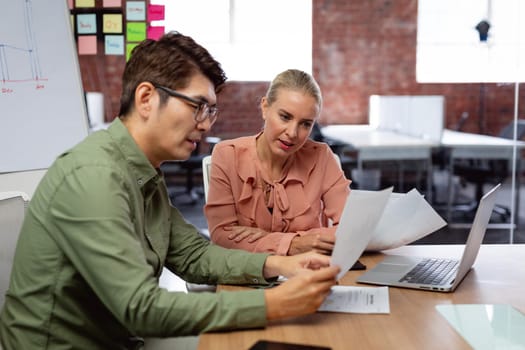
295,175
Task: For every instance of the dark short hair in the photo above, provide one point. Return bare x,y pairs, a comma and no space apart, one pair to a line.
170,61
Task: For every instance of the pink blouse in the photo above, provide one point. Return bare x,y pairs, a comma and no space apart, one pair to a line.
313,188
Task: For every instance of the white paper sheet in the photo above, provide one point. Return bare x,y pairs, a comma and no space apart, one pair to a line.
406,218
361,214
351,299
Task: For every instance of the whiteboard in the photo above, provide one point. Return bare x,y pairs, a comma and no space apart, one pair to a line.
42,107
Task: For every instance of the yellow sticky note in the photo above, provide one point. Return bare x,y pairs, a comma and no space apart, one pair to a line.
112,23
85,3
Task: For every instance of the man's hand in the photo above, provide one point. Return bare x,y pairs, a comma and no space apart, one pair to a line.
319,240
238,233
301,294
289,266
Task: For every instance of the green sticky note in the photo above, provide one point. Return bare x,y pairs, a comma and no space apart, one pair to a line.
135,31
129,48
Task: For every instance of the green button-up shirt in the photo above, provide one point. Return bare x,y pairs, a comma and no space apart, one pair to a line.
97,234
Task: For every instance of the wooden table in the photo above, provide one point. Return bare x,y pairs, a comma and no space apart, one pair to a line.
498,277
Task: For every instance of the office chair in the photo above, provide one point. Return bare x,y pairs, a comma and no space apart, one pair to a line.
188,169
206,165
12,211
486,171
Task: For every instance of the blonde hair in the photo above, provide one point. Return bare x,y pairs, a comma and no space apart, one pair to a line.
294,79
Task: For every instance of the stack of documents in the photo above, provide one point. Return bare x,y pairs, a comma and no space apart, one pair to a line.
406,218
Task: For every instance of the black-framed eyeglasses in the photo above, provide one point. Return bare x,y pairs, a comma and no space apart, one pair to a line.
202,111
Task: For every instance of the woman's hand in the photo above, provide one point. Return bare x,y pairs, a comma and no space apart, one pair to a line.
238,233
318,240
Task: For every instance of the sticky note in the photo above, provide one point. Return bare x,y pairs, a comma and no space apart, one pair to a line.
135,31
87,45
111,3
112,23
114,44
155,32
136,11
85,3
155,12
86,23
129,48
70,4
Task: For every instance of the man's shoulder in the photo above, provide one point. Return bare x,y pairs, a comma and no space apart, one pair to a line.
94,152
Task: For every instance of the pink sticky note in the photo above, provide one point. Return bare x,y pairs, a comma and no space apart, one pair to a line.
112,3
87,45
155,32
155,12
70,4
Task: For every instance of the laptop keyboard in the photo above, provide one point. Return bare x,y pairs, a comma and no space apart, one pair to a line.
431,271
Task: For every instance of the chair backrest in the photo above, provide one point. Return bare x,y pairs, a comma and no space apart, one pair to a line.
508,131
206,165
12,211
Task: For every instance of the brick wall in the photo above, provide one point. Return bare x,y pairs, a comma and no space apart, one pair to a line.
359,48
103,73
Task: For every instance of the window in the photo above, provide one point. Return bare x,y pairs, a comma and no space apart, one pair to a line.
254,40
449,48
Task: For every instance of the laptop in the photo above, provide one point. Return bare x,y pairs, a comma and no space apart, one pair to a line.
435,274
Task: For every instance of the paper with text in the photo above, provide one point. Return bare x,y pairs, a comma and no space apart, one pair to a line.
365,300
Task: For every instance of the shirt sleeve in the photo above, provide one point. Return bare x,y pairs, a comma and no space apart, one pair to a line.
97,236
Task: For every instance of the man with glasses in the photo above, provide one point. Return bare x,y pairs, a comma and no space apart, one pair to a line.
100,229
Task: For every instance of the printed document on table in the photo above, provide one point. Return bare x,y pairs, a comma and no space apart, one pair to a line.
364,300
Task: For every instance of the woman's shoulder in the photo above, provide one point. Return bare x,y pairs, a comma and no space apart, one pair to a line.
236,148
315,148
239,142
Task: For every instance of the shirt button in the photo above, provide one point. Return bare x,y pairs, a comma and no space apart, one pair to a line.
140,182
255,280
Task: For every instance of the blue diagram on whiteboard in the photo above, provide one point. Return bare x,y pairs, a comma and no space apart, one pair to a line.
19,59
42,105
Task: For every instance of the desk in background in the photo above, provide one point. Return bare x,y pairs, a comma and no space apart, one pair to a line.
375,144
462,145
498,277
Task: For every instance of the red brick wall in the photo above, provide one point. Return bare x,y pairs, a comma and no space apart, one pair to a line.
362,48
359,48
103,73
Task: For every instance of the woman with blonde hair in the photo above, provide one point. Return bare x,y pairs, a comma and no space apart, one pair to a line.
274,191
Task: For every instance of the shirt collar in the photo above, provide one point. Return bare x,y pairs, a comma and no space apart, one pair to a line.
297,169
140,166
